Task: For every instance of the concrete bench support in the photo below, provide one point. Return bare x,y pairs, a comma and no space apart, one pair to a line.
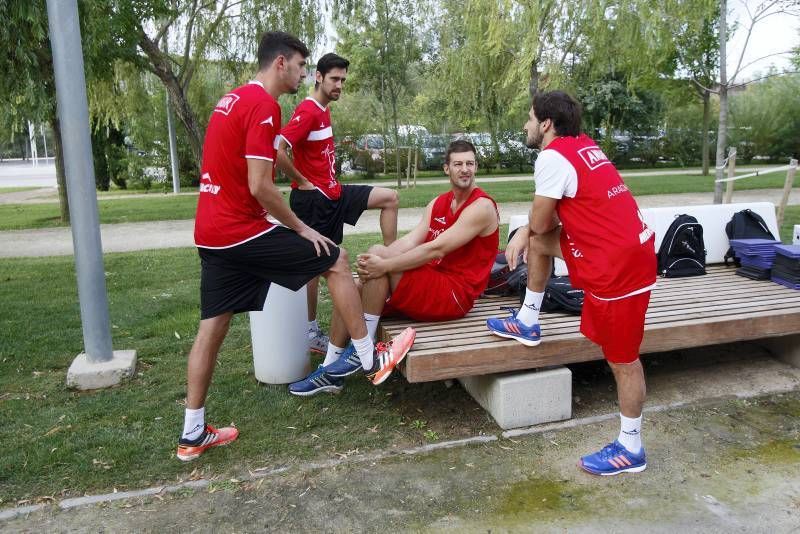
785,348
523,399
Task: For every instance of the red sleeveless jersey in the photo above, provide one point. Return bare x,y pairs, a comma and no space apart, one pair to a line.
471,264
608,248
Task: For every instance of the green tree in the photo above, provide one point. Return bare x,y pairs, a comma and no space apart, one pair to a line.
379,38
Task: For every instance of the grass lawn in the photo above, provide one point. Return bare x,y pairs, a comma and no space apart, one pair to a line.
59,442
16,189
168,207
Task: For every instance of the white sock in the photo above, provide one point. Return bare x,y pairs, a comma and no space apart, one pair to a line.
313,326
372,325
528,313
630,433
364,348
194,422
333,354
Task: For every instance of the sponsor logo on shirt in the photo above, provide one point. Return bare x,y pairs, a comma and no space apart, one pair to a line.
440,220
226,103
616,190
296,119
268,121
593,157
207,186
646,232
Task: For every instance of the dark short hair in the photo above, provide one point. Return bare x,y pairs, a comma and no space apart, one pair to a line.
563,110
274,44
331,61
457,146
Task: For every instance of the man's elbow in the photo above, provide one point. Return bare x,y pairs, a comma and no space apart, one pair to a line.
540,227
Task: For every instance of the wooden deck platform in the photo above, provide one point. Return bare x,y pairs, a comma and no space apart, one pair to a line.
719,307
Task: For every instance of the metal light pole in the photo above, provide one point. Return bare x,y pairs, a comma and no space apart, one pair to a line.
99,366
173,150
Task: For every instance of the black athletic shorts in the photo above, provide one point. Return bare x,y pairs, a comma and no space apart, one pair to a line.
328,216
236,279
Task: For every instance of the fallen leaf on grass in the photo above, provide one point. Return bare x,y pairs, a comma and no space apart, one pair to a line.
177,335
506,448
51,431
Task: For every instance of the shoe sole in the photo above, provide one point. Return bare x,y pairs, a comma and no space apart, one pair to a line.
379,378
526,342
333,390
190,457
636,469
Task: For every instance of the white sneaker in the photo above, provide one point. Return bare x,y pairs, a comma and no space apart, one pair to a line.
318,341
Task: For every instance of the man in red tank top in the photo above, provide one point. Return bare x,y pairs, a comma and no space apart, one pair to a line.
584,213
436,271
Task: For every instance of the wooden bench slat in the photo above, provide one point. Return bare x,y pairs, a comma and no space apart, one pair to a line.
717,308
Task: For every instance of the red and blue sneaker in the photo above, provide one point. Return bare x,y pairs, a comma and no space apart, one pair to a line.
614,459
513,328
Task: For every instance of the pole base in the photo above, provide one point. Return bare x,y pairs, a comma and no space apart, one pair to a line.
84,374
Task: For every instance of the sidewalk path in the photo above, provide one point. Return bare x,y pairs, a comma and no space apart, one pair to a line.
169,234
49,195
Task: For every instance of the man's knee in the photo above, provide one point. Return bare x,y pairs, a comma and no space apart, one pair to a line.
384,198
545,244
342,263
392,201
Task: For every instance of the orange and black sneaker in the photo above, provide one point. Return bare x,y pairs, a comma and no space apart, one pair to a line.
389,355
211,437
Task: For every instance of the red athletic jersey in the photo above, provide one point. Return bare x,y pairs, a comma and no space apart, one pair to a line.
243,125
310,135
471,264
608,248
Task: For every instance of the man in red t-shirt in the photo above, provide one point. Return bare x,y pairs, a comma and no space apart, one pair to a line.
433,273
317,197
248,238
584,213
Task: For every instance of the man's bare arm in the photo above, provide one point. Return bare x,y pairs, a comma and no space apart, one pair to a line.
259,180
477,219
286,164
542,218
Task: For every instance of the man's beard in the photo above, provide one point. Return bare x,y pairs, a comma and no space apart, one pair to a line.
534,143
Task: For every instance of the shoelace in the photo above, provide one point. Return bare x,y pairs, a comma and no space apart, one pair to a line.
610,450
510,309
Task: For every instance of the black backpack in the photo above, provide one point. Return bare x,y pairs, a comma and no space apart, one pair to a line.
559,295
745,224
682,251
503,281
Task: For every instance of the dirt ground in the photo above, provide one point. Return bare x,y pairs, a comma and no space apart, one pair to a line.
722,435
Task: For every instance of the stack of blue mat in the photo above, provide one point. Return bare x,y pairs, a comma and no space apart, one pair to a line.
756,256
786,267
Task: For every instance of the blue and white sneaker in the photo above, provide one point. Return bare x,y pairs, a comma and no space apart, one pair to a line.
614,459
317,382
512,328
348,363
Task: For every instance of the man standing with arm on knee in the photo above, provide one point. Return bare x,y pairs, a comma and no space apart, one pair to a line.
248,238
433,273
584,213
317,198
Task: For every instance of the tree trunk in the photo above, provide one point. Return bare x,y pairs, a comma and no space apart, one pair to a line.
722,131
706,120
161,67
533,86
61,177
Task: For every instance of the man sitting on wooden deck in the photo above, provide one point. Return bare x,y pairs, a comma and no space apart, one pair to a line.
433,273
609,253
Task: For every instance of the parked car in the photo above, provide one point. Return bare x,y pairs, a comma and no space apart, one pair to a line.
369,152
433,150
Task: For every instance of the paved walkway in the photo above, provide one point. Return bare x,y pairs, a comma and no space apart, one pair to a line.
49,194
128,237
